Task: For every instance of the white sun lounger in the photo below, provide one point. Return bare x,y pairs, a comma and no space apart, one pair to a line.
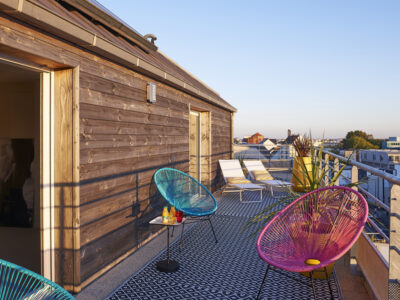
257,165
231,168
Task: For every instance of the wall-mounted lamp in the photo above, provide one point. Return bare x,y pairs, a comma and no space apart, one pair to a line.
151,92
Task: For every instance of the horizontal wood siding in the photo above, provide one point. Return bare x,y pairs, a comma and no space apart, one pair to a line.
123,141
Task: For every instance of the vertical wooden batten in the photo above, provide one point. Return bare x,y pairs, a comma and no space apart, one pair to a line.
66,177
205,140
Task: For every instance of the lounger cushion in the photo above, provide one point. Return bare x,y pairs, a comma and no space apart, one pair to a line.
262,175
237,180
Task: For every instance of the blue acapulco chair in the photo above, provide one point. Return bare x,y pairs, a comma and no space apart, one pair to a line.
16,282
187,195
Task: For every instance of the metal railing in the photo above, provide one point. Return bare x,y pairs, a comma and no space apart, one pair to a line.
390,235
272,159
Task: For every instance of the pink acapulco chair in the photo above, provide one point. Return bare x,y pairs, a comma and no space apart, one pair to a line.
312,232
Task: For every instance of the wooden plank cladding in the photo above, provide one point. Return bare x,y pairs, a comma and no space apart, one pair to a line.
108,144
124,141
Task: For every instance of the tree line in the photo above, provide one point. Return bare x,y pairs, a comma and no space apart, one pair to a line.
360,140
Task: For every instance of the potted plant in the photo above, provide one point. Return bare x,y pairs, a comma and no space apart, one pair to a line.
313,175
301,160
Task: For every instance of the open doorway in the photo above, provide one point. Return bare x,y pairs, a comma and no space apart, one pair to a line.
20,240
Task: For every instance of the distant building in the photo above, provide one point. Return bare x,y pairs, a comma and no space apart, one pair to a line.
383,159
331,143
291,139
255,138
286,149
237,140
317,142
245,139
328,143
392,143
348,153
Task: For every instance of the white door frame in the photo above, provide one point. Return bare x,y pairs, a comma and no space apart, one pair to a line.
47,175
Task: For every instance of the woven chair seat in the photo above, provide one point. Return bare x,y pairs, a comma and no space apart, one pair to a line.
17,282
321,225
184,192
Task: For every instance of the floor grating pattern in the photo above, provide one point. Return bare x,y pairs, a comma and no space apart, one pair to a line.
230,269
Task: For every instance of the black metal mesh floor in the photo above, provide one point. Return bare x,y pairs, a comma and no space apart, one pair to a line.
230,269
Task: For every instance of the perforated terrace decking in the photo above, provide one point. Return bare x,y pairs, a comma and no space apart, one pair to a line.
230,269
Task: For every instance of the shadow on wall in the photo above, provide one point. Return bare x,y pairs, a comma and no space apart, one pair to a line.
131,228
124,227
142,216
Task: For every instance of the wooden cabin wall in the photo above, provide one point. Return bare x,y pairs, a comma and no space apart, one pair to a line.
123,141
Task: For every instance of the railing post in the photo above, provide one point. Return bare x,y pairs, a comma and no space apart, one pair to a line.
354,177
326,167
394,249
321,163
336,170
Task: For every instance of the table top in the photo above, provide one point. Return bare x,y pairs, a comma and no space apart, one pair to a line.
158,221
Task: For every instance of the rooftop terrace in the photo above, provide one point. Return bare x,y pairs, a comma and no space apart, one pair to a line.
229,269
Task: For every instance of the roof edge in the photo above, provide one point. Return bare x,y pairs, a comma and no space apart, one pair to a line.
118,25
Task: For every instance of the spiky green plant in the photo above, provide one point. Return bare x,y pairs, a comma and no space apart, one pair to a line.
241,158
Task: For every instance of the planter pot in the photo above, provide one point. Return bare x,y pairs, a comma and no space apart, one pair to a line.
298,171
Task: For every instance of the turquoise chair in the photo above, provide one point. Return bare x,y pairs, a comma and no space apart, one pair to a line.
17,282
187,195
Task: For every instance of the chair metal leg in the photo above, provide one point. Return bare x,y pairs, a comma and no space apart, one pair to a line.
329,284
180,242
313,286
168,245
212,228
272,192
262,283
173,229
261,195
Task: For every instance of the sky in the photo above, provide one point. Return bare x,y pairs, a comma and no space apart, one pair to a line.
325,66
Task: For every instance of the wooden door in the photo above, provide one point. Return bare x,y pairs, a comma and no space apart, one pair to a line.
194,145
